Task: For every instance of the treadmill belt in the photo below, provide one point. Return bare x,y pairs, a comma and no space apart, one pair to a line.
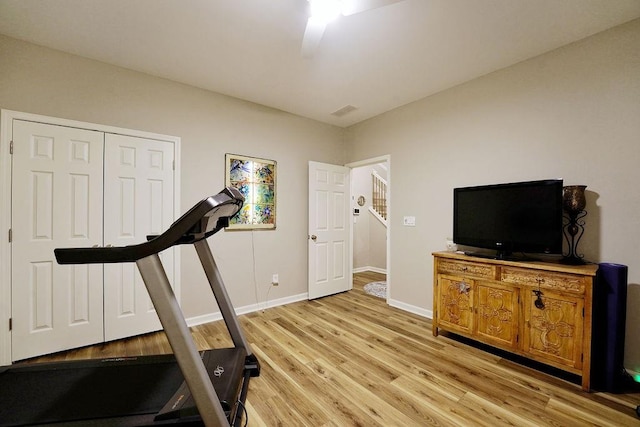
93,389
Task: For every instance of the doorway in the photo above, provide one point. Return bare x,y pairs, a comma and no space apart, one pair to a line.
370,236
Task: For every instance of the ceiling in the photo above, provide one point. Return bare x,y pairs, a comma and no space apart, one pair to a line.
250,49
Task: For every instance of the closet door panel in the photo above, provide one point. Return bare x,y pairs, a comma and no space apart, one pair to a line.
138,202
56,202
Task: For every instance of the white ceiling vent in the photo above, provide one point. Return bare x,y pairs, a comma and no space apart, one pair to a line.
344,110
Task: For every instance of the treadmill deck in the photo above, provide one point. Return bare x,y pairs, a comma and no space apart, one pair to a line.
112,391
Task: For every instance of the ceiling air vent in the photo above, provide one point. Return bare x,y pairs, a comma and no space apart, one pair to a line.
344,110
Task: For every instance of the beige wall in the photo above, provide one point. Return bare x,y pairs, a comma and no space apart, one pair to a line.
571,113
43,81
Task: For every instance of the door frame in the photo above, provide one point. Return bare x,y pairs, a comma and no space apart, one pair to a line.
6,121
375,160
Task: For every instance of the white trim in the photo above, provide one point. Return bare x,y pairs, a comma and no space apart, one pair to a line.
252,308
386,160
5,246
377,216
411,308
380,159
377,175
213,317
11,115
370,268
6,120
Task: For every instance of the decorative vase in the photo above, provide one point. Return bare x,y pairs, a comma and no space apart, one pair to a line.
573,202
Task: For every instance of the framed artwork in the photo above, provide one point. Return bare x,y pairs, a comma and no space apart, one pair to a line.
256,180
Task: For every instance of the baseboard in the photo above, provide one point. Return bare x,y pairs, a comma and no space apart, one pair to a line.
369,268
213,317
411,308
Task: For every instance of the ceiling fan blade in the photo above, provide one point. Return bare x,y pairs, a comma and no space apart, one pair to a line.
350,7
312,35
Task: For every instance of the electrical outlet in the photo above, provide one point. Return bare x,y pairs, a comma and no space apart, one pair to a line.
274,280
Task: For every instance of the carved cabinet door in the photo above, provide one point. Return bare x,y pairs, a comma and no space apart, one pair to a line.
455,304
553,327
497,314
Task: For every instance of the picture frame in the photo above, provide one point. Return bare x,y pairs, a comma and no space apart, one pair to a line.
255,178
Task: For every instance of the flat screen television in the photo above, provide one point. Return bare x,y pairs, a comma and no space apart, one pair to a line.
515,217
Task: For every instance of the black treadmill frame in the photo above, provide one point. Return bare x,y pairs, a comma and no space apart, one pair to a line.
203,220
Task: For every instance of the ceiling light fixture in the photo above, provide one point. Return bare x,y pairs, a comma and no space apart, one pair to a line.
325,11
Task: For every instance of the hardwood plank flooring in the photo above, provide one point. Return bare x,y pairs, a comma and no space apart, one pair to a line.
352,360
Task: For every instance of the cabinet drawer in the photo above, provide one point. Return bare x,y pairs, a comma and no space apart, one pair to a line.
483,271
561,282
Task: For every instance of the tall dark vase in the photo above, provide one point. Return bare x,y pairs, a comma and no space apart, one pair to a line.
574,202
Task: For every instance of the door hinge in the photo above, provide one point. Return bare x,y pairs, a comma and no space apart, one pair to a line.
11,147
173,164
10,235
10,323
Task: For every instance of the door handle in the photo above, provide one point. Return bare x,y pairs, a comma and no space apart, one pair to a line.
313,237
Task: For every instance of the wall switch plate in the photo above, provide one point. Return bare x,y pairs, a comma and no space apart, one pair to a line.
409,221
274,280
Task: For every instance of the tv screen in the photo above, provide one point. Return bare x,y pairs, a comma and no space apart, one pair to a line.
514,217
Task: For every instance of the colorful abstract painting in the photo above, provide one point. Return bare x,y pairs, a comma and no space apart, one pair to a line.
256,180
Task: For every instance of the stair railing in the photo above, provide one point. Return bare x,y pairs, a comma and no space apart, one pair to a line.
379,197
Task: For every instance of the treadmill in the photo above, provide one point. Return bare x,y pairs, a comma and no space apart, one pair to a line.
188,387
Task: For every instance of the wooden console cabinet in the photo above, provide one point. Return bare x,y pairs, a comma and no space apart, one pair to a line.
495,302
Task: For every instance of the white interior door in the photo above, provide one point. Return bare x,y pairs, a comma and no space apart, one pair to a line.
56,202
329,227
138,202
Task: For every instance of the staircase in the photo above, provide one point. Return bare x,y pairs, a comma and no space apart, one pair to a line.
379,197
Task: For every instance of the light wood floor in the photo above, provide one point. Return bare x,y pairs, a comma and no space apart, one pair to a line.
351,360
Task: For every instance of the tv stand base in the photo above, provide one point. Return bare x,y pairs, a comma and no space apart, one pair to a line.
518,306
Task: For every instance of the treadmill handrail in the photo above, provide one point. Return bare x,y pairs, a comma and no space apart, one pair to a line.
201,221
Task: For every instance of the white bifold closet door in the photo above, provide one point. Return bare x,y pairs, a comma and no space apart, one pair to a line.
79,188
